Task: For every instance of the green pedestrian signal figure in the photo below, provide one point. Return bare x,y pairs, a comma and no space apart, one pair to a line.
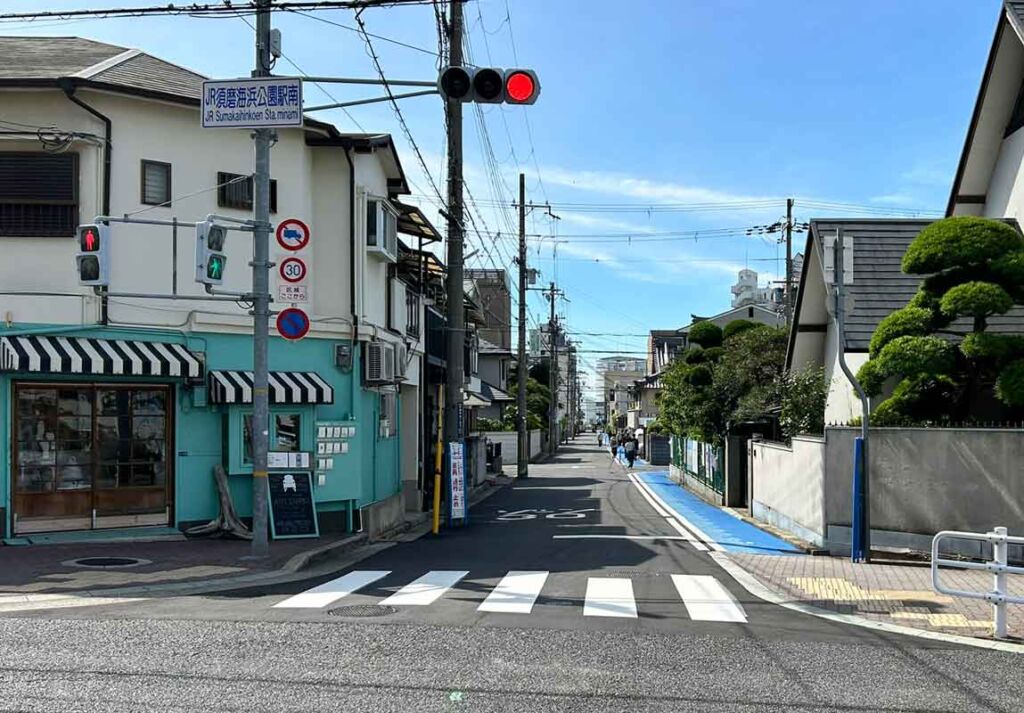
210,257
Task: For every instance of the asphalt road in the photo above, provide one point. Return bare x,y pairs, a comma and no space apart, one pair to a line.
567,592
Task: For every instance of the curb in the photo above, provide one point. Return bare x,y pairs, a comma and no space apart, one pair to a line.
359,544
304,560
762,591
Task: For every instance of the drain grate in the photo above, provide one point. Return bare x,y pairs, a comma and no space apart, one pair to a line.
363,611
106,562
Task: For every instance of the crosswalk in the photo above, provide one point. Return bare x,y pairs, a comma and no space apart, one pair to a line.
703,597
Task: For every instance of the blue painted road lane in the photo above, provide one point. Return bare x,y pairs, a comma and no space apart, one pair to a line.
732,533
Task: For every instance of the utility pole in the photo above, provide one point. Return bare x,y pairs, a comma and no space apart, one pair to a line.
788,294
261,299
453,423
553,375
523,456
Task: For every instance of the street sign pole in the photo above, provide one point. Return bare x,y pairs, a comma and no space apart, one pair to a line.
261,300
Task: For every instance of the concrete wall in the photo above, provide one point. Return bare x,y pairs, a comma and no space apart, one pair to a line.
921,481
925,480
788,486
510,447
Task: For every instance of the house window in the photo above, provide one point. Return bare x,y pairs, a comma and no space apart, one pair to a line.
381,229
412,314
285,434
387,424
235,190
156,183
38,194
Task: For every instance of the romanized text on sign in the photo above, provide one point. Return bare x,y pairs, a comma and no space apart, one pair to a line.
252,103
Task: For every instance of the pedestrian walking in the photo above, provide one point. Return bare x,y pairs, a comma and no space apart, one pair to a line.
630,450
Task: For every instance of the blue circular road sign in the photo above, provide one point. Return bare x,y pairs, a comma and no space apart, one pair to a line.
292,323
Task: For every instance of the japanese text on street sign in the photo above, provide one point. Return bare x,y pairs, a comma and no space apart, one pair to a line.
252,103
458,481
294,294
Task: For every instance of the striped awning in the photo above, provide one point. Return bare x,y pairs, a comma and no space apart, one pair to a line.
286,387
74,355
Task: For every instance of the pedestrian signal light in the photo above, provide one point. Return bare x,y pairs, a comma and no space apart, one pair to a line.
93,258
521,86
210,258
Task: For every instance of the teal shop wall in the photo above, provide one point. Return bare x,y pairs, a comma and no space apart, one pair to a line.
368,473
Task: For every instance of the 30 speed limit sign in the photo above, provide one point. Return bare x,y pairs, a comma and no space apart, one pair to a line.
292,269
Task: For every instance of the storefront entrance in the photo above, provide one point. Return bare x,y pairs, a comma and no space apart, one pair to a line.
90,456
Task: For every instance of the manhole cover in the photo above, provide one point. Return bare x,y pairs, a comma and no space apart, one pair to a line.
363,610
106,562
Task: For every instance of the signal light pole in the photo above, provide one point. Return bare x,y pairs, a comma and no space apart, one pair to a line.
261,300
456,332
523,443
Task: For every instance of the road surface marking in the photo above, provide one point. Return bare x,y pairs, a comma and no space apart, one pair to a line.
515,593
427,589
609,596
706,599
657,508
329,592
697,544
621,537
678,517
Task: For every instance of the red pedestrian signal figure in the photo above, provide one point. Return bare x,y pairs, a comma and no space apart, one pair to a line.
93,258
90,239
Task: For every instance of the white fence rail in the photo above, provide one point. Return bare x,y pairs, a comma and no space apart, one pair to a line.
998,566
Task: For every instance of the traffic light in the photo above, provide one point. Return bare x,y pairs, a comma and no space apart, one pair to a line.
489,85
93,258
210,257
521,86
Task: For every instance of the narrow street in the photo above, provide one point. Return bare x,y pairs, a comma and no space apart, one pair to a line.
568,591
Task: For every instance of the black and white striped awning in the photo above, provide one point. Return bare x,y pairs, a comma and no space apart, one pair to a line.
74,355
286,387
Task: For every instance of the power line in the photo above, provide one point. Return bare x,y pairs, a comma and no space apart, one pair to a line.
199,10
382,38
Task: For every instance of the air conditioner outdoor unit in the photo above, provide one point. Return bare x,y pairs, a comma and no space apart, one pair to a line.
380,363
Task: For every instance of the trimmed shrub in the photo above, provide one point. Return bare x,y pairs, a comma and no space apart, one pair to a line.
959,241
706,334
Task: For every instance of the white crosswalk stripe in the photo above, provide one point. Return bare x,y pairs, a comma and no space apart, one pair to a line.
515,593
609,596
704,597
707,600
330,592
427,589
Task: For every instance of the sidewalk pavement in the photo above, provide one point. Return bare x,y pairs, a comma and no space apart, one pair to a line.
45,571
50,568
897,593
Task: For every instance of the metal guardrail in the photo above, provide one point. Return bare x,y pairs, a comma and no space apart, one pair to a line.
998,566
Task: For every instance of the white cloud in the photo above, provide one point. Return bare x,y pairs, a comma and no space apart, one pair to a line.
895,199
633,187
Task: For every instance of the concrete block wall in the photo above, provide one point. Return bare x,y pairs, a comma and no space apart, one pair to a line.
787,486
923,480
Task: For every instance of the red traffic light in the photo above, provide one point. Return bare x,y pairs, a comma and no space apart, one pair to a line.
521,86
89,239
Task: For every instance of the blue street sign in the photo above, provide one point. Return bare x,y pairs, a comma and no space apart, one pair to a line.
292,323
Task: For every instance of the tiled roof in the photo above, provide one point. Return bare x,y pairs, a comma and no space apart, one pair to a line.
880,286
51,57
144,71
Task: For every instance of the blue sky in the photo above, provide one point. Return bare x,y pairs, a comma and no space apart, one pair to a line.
648,103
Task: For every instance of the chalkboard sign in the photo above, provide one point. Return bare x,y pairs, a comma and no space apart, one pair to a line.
292,508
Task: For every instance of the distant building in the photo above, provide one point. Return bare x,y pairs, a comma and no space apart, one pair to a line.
747,292
495,298
615,375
